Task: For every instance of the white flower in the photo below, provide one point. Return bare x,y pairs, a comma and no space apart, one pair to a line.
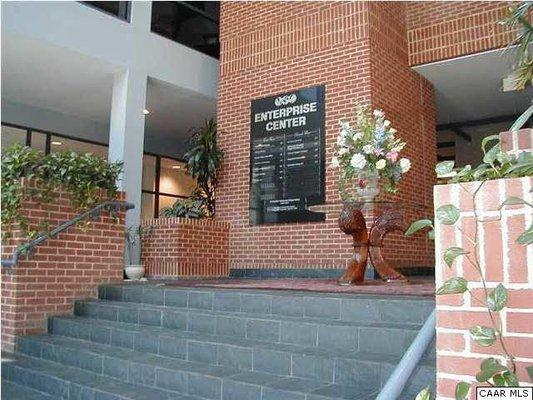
344,132
399,147
378,113
405,165
344,125
343,151
386,123
393,131
357,135
368,149
358,161
381,163
335,162
341,141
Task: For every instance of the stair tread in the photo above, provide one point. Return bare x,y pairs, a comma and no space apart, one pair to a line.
275,292
311,388
137,356
85,378
14,391
258,316
238,342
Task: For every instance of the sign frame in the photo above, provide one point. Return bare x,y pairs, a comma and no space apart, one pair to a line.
259,216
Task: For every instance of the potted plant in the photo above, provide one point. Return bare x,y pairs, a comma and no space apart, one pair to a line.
366,153
203,162
132,256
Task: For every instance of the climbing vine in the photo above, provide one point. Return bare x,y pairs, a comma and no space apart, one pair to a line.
82,176
496,164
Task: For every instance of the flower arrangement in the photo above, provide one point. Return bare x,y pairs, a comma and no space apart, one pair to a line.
368,149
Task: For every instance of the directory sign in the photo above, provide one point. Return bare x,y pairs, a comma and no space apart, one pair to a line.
287,150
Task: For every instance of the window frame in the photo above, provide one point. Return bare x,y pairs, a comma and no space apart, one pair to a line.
155,192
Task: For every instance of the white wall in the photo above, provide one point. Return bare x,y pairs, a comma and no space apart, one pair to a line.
89,31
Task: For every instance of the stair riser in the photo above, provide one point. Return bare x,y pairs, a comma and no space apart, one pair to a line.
388,341
349,372
286,363
351,309
58,388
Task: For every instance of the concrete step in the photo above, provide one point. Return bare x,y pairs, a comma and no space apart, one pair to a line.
63,382
327,365
372,337
182,377
13,391
326,306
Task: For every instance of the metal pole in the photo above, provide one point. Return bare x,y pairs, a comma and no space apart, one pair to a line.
403,371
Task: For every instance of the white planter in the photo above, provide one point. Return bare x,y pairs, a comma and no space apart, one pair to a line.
134,272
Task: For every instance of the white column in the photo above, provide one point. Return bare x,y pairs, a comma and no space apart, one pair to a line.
126,135
141,15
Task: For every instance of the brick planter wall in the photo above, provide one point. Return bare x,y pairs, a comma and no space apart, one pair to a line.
438,30
62,269
274,47
517,142
503,260
178,247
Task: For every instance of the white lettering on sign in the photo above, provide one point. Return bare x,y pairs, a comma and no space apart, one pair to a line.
288,117
504,393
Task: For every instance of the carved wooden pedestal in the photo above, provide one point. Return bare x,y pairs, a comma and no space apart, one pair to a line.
368,243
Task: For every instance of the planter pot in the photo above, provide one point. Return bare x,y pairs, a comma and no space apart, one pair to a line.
134,272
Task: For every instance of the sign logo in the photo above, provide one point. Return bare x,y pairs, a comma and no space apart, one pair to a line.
285,100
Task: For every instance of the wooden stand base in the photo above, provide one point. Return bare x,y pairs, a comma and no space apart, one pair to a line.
368,244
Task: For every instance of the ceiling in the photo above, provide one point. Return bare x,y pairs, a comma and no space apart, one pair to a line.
53,78
469,88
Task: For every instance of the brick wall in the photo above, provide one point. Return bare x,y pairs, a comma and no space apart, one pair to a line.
517,142
439,30
186,247
67,267
268,48
503,260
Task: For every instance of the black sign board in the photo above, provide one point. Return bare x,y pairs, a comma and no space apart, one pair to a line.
287,150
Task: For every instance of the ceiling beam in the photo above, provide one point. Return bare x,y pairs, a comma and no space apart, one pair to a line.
459,132
477,122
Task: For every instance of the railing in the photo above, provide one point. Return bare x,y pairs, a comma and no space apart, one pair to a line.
110,206
405,368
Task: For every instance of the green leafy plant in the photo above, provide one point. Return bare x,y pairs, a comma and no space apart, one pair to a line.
83,176
203,162
190,208
496,164
518,18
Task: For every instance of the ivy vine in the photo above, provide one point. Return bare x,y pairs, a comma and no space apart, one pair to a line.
82,176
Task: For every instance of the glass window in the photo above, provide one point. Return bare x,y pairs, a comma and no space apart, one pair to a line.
38,140
62,144
148,179
11,135
147,205
174,179
119,9
193,24
166,201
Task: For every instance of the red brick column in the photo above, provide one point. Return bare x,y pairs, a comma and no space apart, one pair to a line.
186,247
62,269
503,260
358,50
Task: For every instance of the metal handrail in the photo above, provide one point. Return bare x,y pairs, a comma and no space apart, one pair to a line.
410,360
111,205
